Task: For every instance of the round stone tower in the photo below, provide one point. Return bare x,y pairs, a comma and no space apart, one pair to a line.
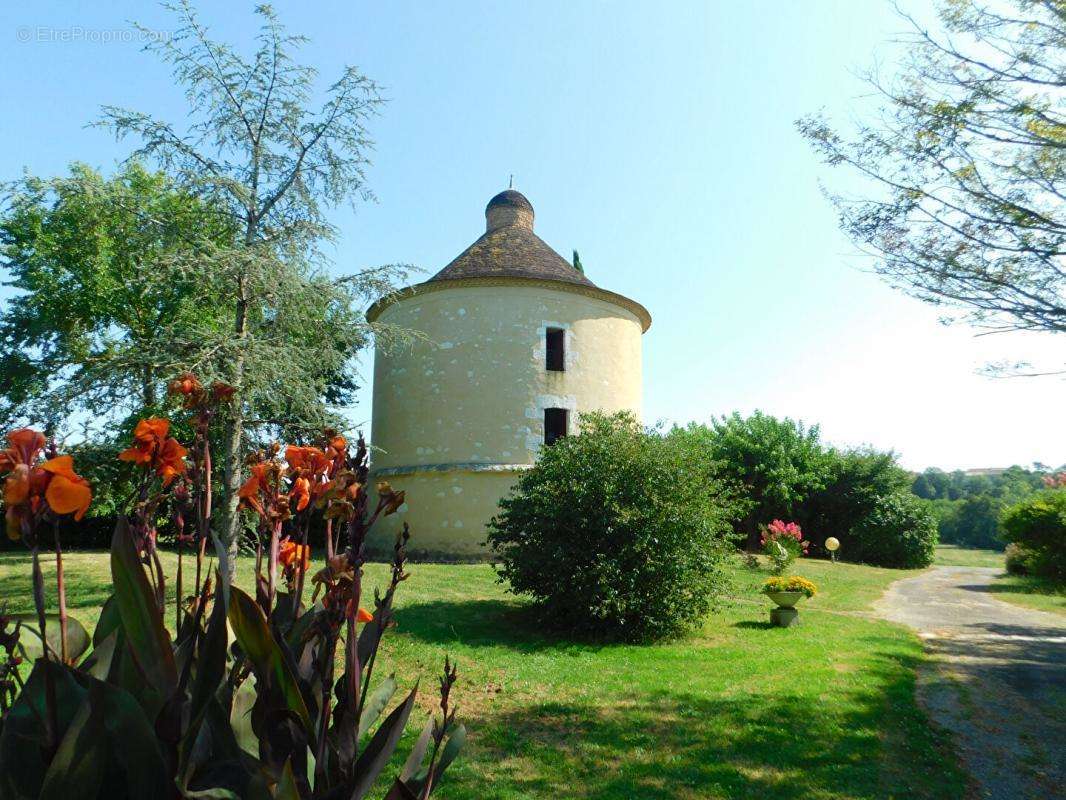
514,343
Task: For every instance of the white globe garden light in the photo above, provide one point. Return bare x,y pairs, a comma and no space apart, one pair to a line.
832,544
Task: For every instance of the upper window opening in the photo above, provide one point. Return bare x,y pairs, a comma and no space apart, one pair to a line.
555,349
555,424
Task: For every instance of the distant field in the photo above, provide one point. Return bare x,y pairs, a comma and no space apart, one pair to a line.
740,710
949,555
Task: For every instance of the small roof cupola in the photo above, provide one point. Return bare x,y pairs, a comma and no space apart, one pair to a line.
508,208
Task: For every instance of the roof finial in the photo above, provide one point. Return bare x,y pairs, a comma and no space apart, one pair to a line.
510,183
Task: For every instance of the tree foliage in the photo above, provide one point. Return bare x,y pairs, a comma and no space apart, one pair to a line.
775,463
968,505
258,146
1037,526
99,322
782,470
615,533
967,160
854,482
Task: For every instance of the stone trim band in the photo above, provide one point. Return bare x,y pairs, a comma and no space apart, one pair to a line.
632,306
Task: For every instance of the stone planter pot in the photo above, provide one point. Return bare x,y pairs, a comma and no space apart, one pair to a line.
785,599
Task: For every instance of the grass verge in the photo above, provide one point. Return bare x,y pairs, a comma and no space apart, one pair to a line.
1023,590
739,710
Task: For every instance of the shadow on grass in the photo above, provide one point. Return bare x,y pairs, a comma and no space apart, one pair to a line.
750,624
665,744
1024,586
16,593
484,623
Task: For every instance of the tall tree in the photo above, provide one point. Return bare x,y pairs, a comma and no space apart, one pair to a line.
258,146
967,160
95,317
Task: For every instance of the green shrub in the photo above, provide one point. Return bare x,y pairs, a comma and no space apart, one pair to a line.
854,482
899,532
1017,559
615,533
1038,526
777,462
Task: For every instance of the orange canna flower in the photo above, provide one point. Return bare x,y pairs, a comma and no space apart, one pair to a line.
25,443
17,485
152,429
361,614
258,481
171,460
390,499
27,483
291,553
67,492
307,458
153,448
301,491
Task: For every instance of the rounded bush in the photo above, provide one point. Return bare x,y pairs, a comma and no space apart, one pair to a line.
1038,526
614,534
1017,559
901,531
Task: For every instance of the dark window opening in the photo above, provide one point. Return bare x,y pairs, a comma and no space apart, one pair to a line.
555,349
555,420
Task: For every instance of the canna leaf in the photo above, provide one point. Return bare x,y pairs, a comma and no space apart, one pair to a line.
241,718
381,747
211,664
140,770
456,740
215,765
78,639
287,789
400,792
211,794
146,636
375,704
109,621
413,765
22,737
99,661
77,768
370,636
271,668
414,778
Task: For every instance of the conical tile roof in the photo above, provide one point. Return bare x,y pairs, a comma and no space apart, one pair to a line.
510,249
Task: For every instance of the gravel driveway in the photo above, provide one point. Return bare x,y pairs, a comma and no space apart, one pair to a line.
997,679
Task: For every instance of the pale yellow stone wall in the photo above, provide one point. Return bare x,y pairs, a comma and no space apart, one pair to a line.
466,406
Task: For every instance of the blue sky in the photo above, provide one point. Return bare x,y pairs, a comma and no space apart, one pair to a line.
657,139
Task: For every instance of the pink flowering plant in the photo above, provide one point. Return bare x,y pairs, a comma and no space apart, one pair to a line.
783,543
1056,480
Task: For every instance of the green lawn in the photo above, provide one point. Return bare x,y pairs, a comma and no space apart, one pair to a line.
741,710
1031,593
949,555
